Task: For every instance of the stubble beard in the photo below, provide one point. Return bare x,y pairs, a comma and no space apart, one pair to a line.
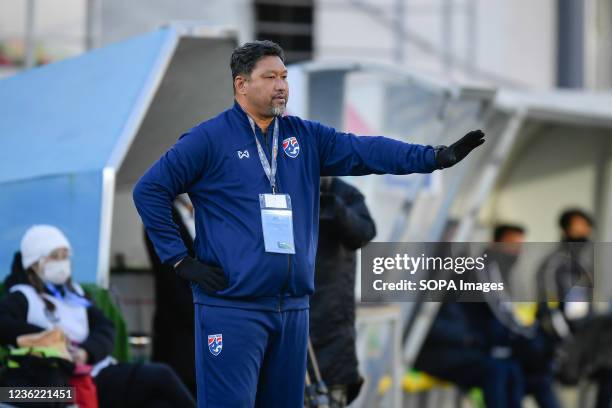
277,110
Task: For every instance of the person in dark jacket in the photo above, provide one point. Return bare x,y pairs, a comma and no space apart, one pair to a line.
173,322
471,343
456,350
252,175
345,225
526,345
42,296
565,283
566,277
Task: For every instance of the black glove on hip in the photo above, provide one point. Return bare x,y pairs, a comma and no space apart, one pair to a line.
211,278
447,156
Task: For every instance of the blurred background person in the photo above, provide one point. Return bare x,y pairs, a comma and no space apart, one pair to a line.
565,292
173,322
43,297
567,275
507,334
345,225
470,342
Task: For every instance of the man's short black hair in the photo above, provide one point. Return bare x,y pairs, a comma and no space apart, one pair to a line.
565,219
246,56
502,229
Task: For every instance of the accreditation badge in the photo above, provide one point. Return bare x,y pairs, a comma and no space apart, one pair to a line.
277,223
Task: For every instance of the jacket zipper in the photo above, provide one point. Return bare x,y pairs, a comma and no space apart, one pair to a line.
287,279
289,269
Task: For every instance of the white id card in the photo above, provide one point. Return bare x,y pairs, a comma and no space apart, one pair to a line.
277,223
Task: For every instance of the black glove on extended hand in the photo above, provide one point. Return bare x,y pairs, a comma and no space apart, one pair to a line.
211,278
453,154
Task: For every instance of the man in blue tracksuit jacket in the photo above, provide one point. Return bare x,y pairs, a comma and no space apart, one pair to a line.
252,305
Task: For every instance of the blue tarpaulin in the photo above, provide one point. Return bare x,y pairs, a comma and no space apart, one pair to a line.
61,125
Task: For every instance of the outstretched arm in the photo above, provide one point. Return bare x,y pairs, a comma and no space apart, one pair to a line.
343,154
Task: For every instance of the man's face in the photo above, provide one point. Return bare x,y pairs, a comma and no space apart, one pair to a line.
579,228
511,242
266,89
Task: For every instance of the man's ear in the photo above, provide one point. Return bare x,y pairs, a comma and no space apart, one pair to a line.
240,84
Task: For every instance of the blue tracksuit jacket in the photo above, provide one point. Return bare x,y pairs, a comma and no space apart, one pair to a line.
224,187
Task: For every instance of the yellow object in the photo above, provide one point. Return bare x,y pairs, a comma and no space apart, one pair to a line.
384,384
525,312
418,381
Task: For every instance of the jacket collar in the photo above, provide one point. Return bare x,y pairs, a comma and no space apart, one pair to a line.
239,111
243,115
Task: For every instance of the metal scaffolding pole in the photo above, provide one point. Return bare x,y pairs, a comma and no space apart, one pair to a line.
488,176
447,35
484,186
399,10
93,24
30,37
471,37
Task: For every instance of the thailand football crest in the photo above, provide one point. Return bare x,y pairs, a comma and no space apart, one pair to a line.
215,343
291,147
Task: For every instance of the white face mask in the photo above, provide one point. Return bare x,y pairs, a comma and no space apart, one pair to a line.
56,272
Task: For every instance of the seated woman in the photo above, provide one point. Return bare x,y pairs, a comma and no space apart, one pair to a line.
43,296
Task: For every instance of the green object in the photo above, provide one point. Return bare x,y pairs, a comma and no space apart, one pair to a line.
103,301
51,355
43,351
477,397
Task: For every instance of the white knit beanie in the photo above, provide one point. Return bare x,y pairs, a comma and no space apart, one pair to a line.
39,241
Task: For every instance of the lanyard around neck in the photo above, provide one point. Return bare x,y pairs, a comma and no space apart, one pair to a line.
270,170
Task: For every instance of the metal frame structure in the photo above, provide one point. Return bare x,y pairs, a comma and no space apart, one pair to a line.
317,102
